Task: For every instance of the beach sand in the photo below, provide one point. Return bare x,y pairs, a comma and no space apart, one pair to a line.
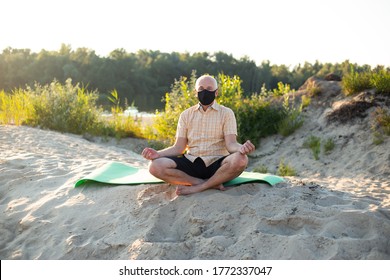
337,207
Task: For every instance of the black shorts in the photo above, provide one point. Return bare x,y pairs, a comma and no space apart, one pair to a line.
197,168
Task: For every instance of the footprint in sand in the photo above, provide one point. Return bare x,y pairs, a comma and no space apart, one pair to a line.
156,195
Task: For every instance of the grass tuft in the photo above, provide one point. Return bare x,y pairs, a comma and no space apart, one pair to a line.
285,169
313,143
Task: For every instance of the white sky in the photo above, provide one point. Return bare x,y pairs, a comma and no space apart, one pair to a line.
282,31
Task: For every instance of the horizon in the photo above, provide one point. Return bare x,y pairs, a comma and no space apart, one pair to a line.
281,32
192,53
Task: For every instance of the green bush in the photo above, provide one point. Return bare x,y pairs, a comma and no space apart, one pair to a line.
380,125
257,118
306,100
65,108
230,92
355,82
381,81
292,118
383,120
16,108
282,89
119,125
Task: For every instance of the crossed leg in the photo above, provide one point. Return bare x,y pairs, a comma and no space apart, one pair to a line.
231,167
165,169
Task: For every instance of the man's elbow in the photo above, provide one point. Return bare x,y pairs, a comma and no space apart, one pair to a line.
232,148
180,149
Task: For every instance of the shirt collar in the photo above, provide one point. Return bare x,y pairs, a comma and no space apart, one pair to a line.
215,106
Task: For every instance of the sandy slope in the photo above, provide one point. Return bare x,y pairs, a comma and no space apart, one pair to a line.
336,208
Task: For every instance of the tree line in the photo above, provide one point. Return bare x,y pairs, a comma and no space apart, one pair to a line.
144,77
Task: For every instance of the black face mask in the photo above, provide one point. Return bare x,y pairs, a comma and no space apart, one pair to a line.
206,97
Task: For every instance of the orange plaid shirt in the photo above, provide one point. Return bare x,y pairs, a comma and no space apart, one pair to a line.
205,131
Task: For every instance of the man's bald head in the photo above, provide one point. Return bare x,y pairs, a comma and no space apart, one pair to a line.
206,82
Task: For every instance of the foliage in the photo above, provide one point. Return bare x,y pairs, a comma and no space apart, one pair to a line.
65,108
122,126
329,146
313,89
382,117
378,138
285,169
230,92
145,76
257,118
380,125
16,108
313,143
293,118
181,97
381,81
282,89
115,107
119,125
306,100
355,82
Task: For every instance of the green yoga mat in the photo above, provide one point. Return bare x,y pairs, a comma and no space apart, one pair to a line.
117,173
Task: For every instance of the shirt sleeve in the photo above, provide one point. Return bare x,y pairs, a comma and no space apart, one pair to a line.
181,130
230,123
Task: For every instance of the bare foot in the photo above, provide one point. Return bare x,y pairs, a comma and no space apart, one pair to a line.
220,187
184,190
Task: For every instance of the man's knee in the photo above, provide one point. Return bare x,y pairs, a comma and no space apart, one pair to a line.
158,166
238,162
242,162
155,168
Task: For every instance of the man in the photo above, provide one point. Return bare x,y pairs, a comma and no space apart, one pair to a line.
208,131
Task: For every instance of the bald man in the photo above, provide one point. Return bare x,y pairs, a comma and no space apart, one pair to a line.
206,153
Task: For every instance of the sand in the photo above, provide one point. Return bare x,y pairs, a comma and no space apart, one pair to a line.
337,207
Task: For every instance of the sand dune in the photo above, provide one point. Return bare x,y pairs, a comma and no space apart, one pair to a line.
336,207
336,210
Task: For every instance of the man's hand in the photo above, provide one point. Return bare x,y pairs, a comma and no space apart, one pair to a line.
150,153
247,148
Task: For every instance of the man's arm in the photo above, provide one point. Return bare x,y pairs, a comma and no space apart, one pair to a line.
177,149
233,146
